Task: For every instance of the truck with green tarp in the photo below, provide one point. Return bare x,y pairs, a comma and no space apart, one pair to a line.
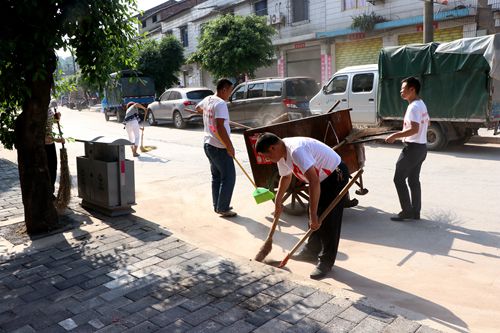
460,86
124,87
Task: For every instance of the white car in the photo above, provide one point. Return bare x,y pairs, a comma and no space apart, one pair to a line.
172,105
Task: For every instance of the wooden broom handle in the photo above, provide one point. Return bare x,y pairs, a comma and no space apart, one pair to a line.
327,211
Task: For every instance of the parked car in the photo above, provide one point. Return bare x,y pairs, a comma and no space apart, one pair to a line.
172,104
257,102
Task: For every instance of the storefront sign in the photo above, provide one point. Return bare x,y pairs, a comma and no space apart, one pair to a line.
299,45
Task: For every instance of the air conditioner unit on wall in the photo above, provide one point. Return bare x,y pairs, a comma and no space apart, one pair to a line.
273,19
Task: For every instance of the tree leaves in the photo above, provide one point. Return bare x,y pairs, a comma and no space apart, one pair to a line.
233,45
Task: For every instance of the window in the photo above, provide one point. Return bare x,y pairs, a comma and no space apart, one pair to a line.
260,8
184,36
144,23
164,96
154,18
362,82
239,93
300,10
255,90
199,94
337,85
301,88
351,4
174,95
274,89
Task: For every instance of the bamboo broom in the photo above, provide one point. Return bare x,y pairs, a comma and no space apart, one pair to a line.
64,191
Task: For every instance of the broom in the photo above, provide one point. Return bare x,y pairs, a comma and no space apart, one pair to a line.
266,248
64,191
327,211
357,133
260,194
143,148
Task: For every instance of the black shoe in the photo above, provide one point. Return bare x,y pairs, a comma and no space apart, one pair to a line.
416,216
321,270
305,255
402,216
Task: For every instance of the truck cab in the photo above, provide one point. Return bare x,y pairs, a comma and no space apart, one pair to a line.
356,88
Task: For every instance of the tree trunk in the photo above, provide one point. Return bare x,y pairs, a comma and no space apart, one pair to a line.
40,214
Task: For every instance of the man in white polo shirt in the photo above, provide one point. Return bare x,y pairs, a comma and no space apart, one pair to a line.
321,167
414,135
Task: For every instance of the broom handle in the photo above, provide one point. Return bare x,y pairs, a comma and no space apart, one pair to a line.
60,132
238,162
327,211
334,106
273,227
230,121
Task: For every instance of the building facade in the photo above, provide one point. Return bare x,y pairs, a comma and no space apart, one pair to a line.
315,38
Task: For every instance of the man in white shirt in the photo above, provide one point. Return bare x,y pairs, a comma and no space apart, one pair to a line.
321,167
218,146
414,135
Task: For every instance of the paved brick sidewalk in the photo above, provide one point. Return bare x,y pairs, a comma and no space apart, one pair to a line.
10,191
130,275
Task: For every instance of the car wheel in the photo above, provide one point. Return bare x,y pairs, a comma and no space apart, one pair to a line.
151,118
178,120
106,116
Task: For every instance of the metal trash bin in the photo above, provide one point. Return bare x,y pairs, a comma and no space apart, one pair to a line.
105,178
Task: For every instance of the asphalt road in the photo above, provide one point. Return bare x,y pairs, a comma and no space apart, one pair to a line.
443,269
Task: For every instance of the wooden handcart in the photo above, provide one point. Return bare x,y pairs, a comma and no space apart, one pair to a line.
330,128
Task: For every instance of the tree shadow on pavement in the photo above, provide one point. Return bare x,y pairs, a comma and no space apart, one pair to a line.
426,309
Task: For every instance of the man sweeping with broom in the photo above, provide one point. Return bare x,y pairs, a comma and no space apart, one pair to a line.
315,163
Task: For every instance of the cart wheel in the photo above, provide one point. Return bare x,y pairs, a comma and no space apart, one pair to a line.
361,191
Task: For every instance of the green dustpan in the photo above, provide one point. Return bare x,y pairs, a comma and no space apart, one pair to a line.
262,194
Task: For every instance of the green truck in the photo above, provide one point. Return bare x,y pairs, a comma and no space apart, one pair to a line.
124,87
460,86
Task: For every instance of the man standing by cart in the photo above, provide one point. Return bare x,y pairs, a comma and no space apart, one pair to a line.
321,167
414,135
218,147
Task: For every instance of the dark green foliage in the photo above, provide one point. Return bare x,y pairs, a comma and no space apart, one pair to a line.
366,22
161,60
233,45
102,35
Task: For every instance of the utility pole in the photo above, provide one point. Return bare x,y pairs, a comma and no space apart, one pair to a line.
428,21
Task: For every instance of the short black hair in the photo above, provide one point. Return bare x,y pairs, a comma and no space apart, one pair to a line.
412,82
223,83
265,141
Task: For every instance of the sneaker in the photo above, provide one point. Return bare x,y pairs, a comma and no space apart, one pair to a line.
321,270
228,213
305,255
403,216
137,155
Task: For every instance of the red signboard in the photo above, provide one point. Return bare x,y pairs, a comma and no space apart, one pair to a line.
299,45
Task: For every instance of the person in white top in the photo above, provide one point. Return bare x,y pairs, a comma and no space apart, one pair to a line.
218,146
321,167
414,136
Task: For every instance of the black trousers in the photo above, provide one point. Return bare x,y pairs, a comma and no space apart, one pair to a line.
325,240
50,150
408,167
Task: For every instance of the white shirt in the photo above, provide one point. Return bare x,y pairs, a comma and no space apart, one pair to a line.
416,112
304,153
214,107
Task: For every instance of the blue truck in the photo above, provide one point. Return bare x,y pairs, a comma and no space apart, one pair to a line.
124,87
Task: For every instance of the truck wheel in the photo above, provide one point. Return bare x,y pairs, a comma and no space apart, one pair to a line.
178,121
436,139
119,116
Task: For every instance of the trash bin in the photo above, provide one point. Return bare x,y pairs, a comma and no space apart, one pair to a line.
105,177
